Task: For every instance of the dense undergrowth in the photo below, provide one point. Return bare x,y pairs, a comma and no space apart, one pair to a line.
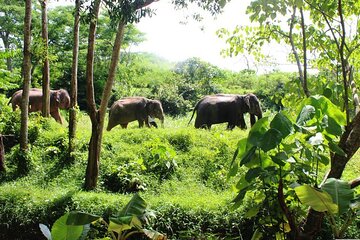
179,170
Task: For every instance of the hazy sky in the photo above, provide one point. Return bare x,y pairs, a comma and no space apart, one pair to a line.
175,41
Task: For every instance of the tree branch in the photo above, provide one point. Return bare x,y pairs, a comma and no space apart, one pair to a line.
355,183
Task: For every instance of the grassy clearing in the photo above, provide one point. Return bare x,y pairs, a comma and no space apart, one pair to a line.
179,170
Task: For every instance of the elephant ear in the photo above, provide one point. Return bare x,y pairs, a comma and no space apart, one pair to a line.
246,100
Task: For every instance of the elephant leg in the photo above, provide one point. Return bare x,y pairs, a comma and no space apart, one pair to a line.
242,122
56,116
252,119
141,123
124,125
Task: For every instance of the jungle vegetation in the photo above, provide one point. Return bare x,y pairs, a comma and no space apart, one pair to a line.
293,175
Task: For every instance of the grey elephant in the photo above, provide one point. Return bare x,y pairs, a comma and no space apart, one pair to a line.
252,107
228,108
58,99
131,109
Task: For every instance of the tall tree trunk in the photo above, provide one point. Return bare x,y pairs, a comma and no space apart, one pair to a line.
94,148
97,116
27,78
73,90
293,48
2,154
97,130
305,86
45,56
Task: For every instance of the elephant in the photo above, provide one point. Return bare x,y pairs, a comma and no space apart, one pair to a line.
58,99
131,109
228,108
252,106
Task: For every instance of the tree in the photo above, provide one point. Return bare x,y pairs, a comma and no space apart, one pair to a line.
329,39
27,78
46,67
124,12
74,75
97,116
11,26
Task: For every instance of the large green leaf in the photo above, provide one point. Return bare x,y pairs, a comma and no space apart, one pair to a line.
327,108
305,115
271,139
118,228
340,192
61,231
81,218
253,173
248,156
136,206
257,132
319,201
281,123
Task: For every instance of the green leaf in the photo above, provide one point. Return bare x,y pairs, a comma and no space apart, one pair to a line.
136,206
252,173
257,132
334,127
325,107
248,156
81,218
341,193
238,199
272,138
319,201
61,231
252,212
118,228
282,124
280,158
45,231
336,149
240,149
305,115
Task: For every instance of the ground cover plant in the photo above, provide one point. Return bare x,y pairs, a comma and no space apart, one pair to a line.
178,170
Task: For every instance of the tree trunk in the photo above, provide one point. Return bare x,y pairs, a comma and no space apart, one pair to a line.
293,48
92,170
94,146
73,90
2,155
45,56
305,87
97,116
27,78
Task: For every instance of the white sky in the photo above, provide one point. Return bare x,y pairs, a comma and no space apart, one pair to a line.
172,40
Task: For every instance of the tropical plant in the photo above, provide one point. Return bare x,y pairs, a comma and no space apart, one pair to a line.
281,154
130,221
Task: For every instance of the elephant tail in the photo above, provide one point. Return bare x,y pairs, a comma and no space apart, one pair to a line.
195,108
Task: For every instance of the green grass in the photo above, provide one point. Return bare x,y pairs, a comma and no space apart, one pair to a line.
191,200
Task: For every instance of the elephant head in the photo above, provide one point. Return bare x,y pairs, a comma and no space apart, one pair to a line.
60,98
253,107
155,110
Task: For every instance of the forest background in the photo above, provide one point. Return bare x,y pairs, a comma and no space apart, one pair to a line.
185,178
